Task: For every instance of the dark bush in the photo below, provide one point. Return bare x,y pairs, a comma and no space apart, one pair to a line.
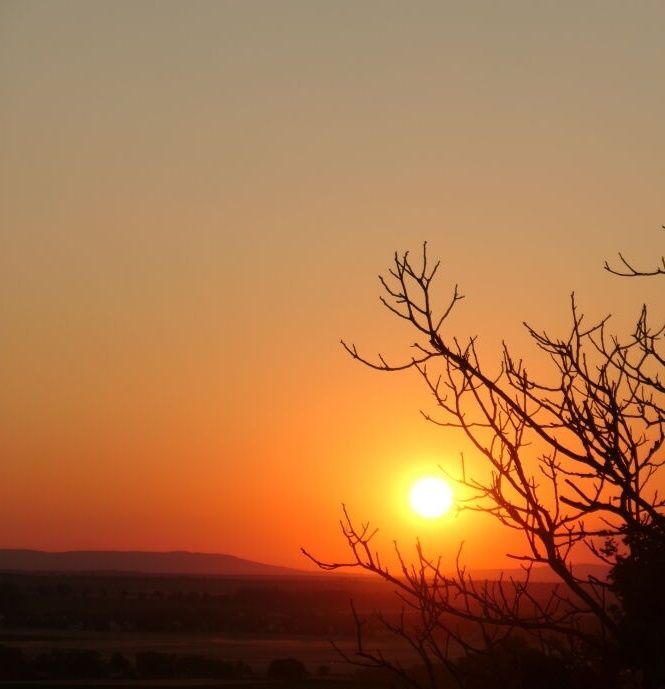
638,581
288,669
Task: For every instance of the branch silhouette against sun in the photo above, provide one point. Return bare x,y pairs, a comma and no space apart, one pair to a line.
570,461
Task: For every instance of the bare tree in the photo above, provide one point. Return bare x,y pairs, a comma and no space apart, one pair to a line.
571,460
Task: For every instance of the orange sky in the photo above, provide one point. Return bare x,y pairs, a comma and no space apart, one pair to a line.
196,199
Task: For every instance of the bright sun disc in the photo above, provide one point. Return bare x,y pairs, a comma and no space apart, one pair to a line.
431,497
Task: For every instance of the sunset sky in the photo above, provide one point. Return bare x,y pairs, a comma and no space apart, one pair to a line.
196,199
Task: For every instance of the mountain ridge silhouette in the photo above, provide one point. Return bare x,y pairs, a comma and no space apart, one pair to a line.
138,561
185,562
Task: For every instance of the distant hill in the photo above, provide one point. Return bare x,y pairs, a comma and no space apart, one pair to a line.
177,562
213,564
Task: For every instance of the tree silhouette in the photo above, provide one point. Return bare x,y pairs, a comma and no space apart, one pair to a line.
571,458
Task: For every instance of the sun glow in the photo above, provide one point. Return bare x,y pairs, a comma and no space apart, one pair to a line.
431,497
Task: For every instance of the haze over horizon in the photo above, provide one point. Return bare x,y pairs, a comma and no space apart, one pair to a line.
197,200
216,564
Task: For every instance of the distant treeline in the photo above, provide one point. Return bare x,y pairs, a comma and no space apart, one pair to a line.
88,664
77,665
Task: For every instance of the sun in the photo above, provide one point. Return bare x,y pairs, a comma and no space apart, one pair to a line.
431,497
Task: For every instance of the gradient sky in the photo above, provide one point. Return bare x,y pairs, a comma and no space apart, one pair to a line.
196,198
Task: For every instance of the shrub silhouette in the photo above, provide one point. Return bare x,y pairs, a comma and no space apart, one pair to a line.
287,669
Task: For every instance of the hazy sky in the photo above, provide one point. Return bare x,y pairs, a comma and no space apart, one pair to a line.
196,198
